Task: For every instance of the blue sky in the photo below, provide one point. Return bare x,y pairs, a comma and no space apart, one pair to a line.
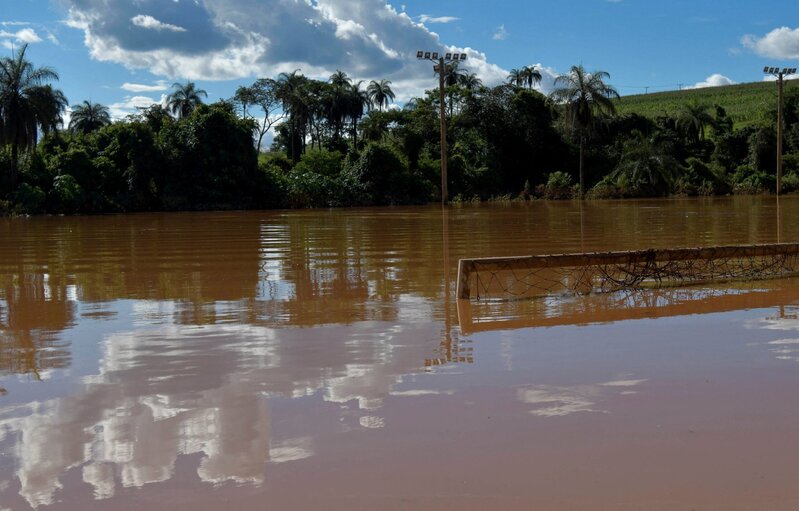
126,53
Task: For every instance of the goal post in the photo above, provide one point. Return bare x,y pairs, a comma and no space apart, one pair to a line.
507,278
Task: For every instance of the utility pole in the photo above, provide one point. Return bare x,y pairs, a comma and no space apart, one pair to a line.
780,74
443,63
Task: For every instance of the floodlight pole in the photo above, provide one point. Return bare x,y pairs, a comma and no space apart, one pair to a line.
442,75
443,62
780,74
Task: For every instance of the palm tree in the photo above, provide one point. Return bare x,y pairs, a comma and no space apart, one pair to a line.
27,104
340,78
693,120
470,81
336,103
184,99
646,163
88,117
292,94
516,77
357,103
530,76
585,95
380,93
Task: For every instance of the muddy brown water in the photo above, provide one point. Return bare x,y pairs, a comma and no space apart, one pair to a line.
305,360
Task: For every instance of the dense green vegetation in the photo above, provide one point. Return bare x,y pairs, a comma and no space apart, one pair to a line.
338,142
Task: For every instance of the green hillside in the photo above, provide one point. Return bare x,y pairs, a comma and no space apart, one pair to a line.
746,103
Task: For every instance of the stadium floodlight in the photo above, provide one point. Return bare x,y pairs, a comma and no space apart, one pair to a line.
780,74
765,69
444,63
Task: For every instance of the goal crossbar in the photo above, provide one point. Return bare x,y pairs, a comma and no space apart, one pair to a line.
637,267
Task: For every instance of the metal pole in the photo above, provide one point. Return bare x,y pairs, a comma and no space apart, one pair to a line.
442,70
779,136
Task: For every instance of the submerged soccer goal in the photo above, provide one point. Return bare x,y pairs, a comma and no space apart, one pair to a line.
509,278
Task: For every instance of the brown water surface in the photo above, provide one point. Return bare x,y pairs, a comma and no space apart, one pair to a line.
304,360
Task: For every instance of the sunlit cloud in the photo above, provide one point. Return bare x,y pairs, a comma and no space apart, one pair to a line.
714,80
145,21
22,36
780,43
426,18
132,104
160,85
221,40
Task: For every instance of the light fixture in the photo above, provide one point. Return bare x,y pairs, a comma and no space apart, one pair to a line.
449,60
780,74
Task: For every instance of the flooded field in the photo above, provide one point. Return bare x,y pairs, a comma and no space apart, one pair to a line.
305,360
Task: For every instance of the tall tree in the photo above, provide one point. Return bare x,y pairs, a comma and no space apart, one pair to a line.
291,91
88,117
470,81
27,104
358,102
380,93
530,76
693,119
516,77
340,79
185,98
585,95
263,94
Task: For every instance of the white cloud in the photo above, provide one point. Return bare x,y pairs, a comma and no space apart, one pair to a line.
368,39
131,105
500,34
714,80
14,23
23,36
28,35
160,85
426,18
146,21
780,43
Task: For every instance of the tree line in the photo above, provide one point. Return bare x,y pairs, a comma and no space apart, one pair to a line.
339,142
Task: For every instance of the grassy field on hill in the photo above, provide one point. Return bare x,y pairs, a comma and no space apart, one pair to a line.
746,103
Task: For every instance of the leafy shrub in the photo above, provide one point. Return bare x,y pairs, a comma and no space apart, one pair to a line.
749,181
67,193
29,199
276,160
559,186
321,161
311,190
790,182
605,189
379,177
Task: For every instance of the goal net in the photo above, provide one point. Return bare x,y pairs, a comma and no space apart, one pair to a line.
513,278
